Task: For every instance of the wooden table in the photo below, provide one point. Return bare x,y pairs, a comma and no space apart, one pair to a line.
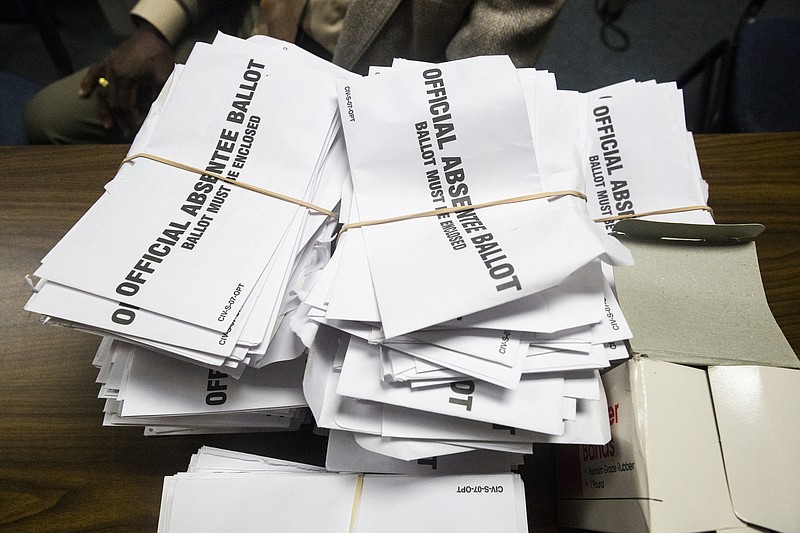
60,470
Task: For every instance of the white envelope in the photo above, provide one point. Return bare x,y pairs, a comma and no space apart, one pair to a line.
499,264
345,455
210,503
535,405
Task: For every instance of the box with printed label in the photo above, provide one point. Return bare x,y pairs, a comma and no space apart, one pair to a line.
704,417
669,468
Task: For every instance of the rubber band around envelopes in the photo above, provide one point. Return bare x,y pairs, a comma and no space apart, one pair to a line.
243,185
421,214
356,502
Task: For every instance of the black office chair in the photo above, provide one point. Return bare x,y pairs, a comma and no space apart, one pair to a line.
751,82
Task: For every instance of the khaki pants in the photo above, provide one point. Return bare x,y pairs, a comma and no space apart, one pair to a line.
57,115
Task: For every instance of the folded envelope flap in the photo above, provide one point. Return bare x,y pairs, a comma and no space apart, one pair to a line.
758,422
689,300
708,233
663,470
685,470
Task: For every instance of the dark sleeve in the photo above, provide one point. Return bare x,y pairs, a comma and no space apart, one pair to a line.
518,28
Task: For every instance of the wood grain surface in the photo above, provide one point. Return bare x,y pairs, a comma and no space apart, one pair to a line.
60,470
756,178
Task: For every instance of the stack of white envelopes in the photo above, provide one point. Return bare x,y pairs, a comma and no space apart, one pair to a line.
643,161
472,326
184,263
170,397
471,281
176,259
293,497
468,306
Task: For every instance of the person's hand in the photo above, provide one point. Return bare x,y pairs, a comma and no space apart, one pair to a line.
133,74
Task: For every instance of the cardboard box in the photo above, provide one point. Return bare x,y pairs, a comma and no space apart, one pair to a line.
667,467
696,446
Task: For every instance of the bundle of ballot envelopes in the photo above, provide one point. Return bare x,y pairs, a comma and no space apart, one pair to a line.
420,256
208,498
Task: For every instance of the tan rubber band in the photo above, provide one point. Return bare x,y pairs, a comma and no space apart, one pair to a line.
241,184
521,199
356,502
457,209
659,212
433,212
